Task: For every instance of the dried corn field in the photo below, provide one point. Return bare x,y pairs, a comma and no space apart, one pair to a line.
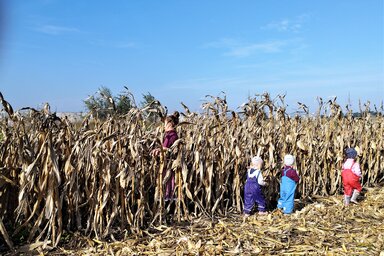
323,227
99,180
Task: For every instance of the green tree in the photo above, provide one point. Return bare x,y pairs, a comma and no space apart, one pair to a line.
103,104
147,99
125,101
100,104
150,100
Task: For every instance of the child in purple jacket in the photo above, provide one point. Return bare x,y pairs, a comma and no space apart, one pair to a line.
252,189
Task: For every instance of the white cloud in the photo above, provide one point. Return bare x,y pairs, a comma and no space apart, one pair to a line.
56,30
199,84
114,44
250,49
124,45
288,25
236,48
48,1
321,81
222,43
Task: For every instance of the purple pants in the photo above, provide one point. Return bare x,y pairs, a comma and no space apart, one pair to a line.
169,186
252,195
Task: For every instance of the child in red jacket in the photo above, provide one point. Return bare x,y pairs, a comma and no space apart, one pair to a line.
351,175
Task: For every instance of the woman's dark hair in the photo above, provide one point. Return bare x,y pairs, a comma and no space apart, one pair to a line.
173,119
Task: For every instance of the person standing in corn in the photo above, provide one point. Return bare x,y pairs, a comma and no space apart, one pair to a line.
170,137
351,175
252,189
289,180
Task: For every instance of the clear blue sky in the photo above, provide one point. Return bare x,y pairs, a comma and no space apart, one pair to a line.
62,51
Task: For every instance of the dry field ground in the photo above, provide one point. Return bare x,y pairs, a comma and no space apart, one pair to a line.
322,227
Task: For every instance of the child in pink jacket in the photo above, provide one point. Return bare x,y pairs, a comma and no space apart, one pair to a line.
351,175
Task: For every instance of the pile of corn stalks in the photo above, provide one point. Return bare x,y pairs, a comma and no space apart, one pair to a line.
99,179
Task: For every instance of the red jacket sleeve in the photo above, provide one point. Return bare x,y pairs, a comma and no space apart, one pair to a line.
293,175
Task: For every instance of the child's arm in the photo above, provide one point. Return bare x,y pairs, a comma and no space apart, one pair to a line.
356,169
260,180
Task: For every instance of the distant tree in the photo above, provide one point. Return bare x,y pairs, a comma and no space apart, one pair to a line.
147,99
124,102
103,104
150,100
100,104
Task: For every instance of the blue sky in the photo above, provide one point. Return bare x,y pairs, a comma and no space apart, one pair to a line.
62,51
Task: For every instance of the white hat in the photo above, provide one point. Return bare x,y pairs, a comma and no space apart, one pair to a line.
256,159
289,159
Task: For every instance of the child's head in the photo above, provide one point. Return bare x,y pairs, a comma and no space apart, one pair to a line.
289,160
256,162
351,153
